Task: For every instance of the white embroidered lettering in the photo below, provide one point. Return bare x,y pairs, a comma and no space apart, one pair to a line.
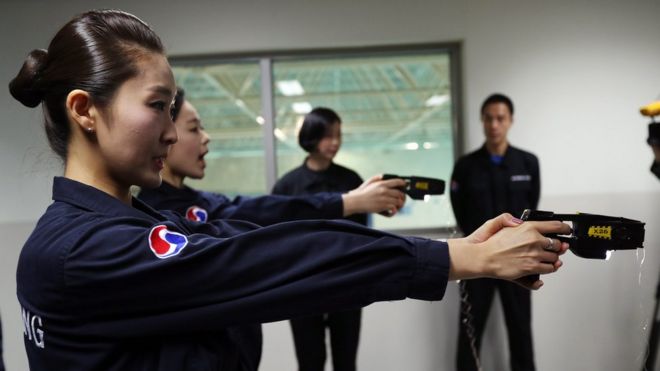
38,333
33,328
26,323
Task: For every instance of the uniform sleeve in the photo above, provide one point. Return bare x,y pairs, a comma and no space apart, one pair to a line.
271,209
458,194
118,286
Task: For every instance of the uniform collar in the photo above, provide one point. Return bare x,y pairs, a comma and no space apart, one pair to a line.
485,155
92,199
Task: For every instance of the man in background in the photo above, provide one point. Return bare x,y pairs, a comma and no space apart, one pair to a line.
494,179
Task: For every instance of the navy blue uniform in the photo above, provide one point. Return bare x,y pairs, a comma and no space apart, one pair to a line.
107,286
344,326
483,187
262,210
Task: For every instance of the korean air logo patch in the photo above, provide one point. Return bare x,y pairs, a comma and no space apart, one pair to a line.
165,243
197,214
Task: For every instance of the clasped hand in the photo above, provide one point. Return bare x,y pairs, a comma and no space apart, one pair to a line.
508,248
375,196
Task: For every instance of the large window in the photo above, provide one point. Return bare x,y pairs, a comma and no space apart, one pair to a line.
398,107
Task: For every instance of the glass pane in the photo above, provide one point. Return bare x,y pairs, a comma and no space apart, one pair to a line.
396,115
227,97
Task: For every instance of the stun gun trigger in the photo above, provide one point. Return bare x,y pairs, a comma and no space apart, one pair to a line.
418,187
594,235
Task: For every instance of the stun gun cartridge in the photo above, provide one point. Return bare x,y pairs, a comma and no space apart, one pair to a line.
594,235
418,187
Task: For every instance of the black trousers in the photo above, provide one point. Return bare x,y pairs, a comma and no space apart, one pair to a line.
309,339
249,339
516,302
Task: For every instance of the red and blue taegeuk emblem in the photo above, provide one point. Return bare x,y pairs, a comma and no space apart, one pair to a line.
165,243
197,214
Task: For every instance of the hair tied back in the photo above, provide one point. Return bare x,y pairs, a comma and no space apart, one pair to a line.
25,87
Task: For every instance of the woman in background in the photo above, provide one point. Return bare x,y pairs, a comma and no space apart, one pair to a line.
320,137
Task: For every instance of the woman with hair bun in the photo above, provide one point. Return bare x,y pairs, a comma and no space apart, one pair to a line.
105,282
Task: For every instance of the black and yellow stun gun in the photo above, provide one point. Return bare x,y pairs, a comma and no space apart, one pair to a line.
418,187
594,235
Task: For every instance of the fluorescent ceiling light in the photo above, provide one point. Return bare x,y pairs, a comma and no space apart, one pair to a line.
429,145
301,108
260,120
290,88
412,146
436,100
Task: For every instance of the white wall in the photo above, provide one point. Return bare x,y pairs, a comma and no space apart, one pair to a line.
577,70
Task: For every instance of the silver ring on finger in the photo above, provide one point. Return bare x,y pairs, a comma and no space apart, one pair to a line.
550,246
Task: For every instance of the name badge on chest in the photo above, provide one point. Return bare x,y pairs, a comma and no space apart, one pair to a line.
521,178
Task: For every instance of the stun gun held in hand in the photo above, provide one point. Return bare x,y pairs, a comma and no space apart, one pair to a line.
594,235
418,187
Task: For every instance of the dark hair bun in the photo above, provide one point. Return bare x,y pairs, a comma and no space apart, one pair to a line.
25,86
